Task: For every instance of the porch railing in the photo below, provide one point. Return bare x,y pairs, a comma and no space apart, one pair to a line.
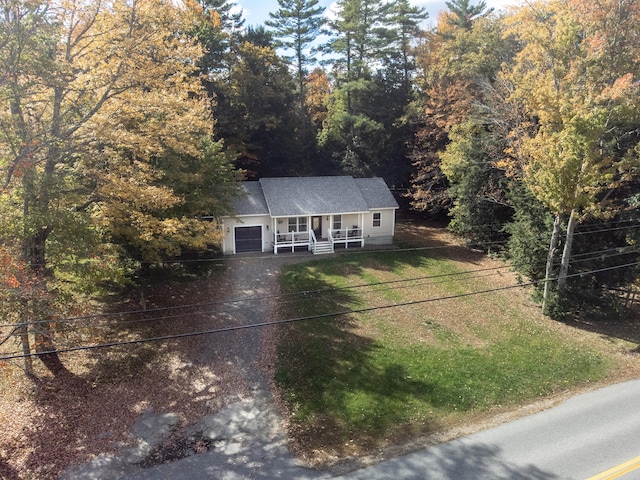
291,240
347,236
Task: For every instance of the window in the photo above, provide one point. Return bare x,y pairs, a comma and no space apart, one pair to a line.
337,222
377,219
298,224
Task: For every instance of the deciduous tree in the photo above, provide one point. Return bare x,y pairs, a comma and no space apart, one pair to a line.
458,66
584,100
94,98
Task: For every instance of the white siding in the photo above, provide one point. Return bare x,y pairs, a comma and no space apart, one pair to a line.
383,234
229,223
350,220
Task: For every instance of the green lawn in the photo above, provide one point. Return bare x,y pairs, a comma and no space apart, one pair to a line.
363,379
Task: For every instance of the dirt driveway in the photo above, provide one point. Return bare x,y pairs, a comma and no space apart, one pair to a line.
246,437
251,288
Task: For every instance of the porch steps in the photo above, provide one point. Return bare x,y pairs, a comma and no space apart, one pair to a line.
323,247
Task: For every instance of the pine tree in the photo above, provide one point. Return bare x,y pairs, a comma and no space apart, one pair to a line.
463,14
297,23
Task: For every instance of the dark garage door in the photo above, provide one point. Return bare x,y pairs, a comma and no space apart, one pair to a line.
248,239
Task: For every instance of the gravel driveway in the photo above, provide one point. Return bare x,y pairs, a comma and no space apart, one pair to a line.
250,279
247,438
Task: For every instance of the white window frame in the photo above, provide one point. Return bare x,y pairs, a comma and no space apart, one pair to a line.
337,222
297,224
377,219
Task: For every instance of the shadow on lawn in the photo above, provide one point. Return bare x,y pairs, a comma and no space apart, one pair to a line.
341,396
341,400
347,395
626,329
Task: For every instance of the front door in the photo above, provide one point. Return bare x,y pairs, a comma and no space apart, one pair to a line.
316,226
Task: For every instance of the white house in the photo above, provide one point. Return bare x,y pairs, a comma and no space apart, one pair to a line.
318,214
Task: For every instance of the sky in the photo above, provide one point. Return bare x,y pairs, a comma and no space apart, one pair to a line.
257,11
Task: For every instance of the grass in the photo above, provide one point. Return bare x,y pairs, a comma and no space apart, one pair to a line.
360,380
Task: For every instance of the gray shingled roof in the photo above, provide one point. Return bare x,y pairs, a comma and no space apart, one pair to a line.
291,196
300,196
376,193
252,201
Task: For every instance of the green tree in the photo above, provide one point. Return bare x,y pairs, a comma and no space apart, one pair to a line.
363,128
352,135
297,23
584,102
215,24
255,112
463,14
404,20
348,131
359,37
480,209
94,98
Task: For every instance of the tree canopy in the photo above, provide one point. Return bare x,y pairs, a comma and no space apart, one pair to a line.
104,129
123,123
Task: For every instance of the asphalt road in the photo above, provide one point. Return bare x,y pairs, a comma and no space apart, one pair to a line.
586,436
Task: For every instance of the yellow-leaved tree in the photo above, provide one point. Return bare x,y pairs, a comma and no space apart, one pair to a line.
577,77
105,141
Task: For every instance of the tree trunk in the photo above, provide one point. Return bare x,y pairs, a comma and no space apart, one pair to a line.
26,349
44,344
552,250
566,253
34,251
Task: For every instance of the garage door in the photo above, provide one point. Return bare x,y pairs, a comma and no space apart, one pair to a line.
248,239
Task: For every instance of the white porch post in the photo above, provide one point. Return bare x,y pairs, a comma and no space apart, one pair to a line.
393,223
274,236
346,235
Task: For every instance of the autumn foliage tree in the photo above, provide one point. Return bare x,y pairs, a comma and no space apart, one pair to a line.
577,76
99,108
456,61
529,116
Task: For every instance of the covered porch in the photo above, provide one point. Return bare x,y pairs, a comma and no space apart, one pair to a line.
347,237
318,233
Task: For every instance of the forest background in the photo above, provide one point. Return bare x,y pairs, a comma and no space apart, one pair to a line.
124,122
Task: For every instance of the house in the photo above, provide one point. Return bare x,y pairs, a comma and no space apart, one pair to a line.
318,214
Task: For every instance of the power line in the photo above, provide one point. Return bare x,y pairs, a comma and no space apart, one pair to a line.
232,258
305,293
304,298
245,299
253,325
300,319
